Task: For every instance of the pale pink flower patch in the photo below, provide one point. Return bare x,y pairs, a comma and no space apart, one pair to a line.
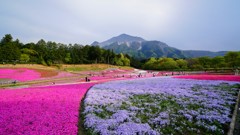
19,74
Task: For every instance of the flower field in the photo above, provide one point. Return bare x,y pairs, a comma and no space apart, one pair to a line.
131,104
41,110
160,105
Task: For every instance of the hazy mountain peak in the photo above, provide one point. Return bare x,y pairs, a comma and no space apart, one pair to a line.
95,43
127,38
124,35
122,38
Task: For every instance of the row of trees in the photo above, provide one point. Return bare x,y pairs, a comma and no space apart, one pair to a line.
48,53
230,60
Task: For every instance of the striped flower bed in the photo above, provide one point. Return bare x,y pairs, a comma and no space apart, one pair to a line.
160,106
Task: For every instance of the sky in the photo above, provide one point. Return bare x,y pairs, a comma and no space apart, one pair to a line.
212,25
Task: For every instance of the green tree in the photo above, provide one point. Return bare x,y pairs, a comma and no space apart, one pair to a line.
94,53
168,64
77,53
194,64
232,59
121,60
150,64
32,54
68,58
9,49
182,63
41,48
218,62
51,56
24,57
205,62
106,56
126,61
7,39
118,60
61,52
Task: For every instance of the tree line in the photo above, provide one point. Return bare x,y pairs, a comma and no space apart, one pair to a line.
50,53
231,60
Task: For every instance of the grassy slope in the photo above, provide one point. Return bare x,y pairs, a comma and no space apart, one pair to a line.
48,72
91,67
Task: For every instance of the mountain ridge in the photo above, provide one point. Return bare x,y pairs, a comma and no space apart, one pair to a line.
143,49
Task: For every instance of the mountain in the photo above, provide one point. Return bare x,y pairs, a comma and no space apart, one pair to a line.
123,38
145,49
142,49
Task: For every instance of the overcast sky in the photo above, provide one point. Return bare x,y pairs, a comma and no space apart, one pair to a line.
184,24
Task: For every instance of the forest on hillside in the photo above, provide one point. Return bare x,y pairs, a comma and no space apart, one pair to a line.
52,53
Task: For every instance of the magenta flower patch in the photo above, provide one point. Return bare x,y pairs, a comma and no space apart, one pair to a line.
211,77
41,110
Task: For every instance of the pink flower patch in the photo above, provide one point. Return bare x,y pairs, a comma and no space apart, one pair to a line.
19,74
41,110
63,74
211,77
